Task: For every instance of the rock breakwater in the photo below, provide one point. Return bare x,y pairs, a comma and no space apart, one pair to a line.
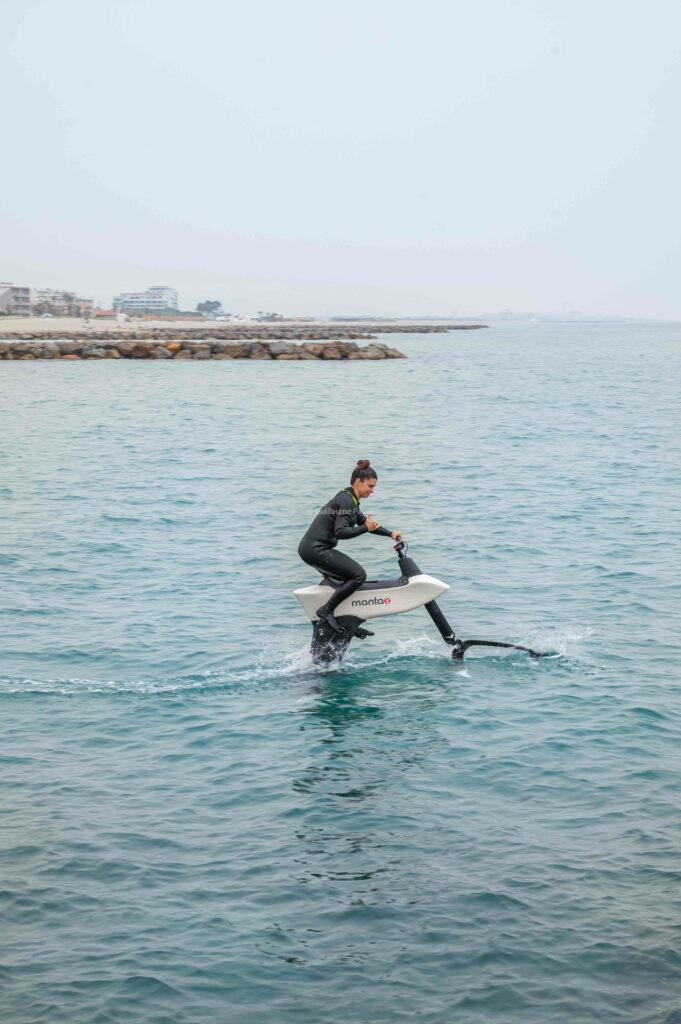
131,347
219,341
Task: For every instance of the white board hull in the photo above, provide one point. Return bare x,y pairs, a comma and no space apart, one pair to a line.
373,603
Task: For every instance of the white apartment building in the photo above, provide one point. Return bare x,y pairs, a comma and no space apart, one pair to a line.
155,299
15,300
58,302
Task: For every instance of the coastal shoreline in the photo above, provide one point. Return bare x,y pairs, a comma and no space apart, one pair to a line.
59,327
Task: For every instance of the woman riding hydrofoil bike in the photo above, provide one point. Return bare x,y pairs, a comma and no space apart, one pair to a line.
341,519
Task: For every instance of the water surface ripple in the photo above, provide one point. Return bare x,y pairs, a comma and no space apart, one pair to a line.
199,826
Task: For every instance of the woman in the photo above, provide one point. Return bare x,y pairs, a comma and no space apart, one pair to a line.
341,519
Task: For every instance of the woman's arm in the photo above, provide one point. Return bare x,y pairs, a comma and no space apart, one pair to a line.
344,516
379,530
341,527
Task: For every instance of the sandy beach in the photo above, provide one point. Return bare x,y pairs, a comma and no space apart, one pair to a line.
55,326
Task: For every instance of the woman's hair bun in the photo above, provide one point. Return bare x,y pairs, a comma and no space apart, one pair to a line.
363,471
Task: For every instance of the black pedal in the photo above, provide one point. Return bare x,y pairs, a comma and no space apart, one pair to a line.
362,634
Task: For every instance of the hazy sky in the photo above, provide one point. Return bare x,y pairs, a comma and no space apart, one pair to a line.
374,156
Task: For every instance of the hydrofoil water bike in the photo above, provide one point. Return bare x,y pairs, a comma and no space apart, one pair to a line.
378,598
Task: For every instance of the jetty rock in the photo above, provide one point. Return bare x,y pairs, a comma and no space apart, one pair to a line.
121,347
285,341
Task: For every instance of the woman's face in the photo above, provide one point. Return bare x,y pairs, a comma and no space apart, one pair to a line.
363,488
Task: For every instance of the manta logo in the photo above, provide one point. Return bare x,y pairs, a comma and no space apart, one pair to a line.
372,600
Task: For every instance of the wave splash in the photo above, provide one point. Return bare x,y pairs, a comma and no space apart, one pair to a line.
273,666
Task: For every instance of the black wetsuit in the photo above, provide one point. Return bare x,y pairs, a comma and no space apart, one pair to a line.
339,519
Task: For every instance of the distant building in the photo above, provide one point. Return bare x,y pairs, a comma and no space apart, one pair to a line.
14,300
58,302
154,300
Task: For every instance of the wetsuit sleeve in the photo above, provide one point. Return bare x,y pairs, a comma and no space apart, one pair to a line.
341,527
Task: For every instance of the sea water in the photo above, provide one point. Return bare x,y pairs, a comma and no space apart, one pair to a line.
198,825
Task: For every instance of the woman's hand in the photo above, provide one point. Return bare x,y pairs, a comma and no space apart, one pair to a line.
396,535
371,523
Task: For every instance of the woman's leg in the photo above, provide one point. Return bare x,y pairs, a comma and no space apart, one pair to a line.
337,564
341,565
